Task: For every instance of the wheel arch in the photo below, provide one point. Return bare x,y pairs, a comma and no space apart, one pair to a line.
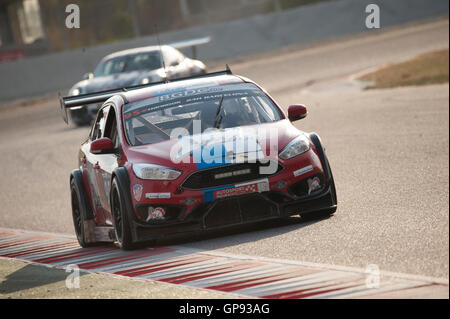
123,179
77,177
325,164
120,174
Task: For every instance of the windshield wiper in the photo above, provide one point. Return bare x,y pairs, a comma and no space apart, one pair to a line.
153,128
218,119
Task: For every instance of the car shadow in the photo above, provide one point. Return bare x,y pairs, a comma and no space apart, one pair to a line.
241,234
33,276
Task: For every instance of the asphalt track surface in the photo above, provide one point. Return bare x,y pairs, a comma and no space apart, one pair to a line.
388,149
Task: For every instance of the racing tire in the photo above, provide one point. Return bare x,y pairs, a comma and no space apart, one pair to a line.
79,213
120,214
332,186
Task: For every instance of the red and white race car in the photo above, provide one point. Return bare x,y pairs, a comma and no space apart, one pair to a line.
194,154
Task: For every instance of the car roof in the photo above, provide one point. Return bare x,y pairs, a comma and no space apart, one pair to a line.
197,82
150,48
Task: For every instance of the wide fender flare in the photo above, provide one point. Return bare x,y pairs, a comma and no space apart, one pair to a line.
123,180
77,177
315,139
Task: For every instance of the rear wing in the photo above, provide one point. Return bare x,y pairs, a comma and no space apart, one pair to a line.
69,102
191,43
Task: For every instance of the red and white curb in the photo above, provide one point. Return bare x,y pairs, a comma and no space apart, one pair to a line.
246,276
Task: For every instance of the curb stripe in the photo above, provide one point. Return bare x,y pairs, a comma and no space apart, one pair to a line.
115,260
214,270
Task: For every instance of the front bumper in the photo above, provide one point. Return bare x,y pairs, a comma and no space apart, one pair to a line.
287,192
234,211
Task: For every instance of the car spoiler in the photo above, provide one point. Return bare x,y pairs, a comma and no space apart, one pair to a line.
69,102
192,44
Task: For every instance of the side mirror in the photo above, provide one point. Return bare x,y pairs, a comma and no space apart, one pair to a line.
88,76
297,112
174,63
103,145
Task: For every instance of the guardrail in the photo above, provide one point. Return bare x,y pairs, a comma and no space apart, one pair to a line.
306,25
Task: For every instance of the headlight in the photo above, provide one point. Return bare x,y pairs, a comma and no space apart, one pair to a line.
145,81
296,147
76,92
155,172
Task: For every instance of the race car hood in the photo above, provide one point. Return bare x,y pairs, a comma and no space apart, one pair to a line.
220,147
115,81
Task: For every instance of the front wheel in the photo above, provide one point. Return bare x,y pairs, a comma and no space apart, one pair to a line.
120,217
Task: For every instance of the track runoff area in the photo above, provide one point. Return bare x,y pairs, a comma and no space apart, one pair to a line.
238,275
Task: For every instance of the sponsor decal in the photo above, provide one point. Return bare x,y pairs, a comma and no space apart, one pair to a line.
232,173
303,170
157,195
155,213
137,192
235,190
313,184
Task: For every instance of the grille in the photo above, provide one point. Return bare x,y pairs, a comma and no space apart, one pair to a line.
223,213
239,210
208,178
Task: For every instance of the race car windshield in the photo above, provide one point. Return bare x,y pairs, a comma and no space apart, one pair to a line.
129,63
216,107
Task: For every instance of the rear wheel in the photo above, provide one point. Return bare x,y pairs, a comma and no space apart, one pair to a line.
120,217
78,214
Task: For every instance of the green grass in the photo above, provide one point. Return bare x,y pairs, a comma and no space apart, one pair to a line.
425,69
